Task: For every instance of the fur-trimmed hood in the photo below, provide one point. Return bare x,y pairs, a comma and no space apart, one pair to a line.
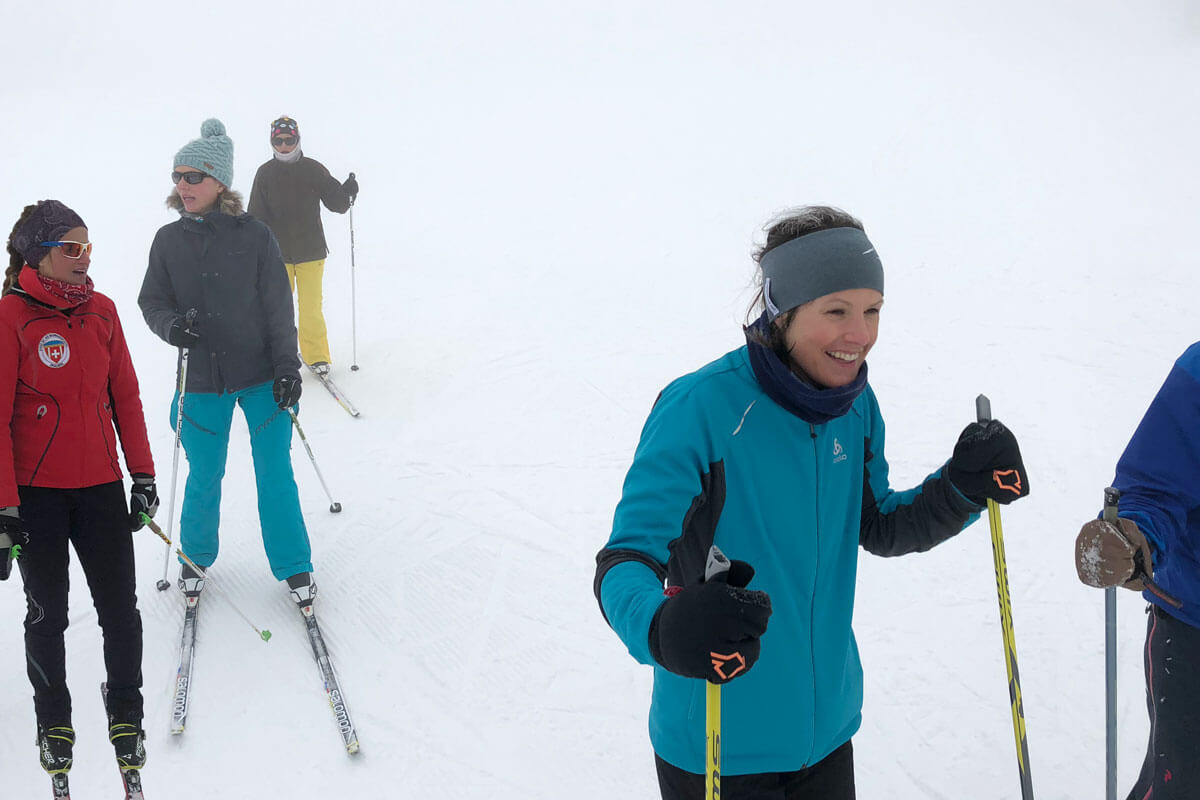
229,203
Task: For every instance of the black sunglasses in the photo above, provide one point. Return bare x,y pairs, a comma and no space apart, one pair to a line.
191,177
280,141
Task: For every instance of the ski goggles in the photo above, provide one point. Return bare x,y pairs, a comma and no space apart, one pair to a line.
71,249
190,177
283,141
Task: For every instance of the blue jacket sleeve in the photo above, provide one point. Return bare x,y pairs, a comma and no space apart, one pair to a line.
1157,473
662,488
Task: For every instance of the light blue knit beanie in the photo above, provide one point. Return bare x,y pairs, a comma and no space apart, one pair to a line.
211,153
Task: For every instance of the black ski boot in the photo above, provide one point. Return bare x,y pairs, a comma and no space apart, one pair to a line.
54,745
128,741
191,582
303,590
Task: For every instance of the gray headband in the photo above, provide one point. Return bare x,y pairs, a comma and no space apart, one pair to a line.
817,264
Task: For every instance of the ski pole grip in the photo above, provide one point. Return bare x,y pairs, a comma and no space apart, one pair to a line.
717,565
1112,496
983,409
189,318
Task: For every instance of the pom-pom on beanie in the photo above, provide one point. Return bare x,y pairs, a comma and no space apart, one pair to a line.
212,153
285,126
49,221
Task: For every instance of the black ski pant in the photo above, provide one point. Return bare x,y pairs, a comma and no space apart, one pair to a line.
95,520
1171,770
831,778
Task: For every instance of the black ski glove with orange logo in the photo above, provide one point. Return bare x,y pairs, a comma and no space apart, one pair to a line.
711,630
987,464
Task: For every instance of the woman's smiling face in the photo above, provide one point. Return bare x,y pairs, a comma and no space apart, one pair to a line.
829,338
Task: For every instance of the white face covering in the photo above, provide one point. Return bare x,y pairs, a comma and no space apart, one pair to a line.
288,158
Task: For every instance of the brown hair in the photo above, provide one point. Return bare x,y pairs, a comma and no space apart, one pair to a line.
15,259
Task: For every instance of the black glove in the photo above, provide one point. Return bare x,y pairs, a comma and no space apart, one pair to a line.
987,465
143,497
711,630
183,334
350,187
12,536
286,391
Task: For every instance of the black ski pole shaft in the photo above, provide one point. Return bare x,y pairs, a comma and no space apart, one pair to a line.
334,506
983,413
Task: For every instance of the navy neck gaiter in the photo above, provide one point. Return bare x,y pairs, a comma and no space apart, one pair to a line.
789,391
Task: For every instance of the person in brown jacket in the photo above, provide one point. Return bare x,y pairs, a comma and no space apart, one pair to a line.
287,195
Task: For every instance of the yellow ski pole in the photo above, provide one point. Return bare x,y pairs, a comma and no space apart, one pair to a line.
983,413
715,568
712,757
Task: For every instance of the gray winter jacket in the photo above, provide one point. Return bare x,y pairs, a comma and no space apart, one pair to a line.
227,266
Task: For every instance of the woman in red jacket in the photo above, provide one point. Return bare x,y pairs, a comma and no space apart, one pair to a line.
67,393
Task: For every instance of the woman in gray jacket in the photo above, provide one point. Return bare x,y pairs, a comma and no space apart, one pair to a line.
226,266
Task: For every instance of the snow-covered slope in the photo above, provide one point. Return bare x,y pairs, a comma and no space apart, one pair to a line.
558,205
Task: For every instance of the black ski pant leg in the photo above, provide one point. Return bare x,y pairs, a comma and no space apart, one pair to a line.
44,566
1171,770
831,778
104,545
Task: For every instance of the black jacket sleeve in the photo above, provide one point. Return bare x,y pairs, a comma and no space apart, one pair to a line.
157,300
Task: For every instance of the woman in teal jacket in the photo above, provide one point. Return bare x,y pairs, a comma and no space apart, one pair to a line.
774,453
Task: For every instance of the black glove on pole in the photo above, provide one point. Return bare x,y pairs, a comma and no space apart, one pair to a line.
350,187
12,536
143,498
987,464
286,391
716,617
182,332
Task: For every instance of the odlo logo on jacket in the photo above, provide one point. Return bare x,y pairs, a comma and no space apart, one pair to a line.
54,351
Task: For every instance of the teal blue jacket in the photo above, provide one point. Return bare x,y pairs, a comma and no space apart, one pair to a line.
720,462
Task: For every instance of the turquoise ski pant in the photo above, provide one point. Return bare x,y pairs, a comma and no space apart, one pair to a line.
205,437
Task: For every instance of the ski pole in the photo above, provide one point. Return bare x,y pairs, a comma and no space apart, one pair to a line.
716,567
353,303
334,507
983,413
265,635
188,319
1111,496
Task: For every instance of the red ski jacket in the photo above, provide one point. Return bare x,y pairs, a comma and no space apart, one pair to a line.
66,379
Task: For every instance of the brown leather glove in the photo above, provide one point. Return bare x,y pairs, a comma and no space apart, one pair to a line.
1106,556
